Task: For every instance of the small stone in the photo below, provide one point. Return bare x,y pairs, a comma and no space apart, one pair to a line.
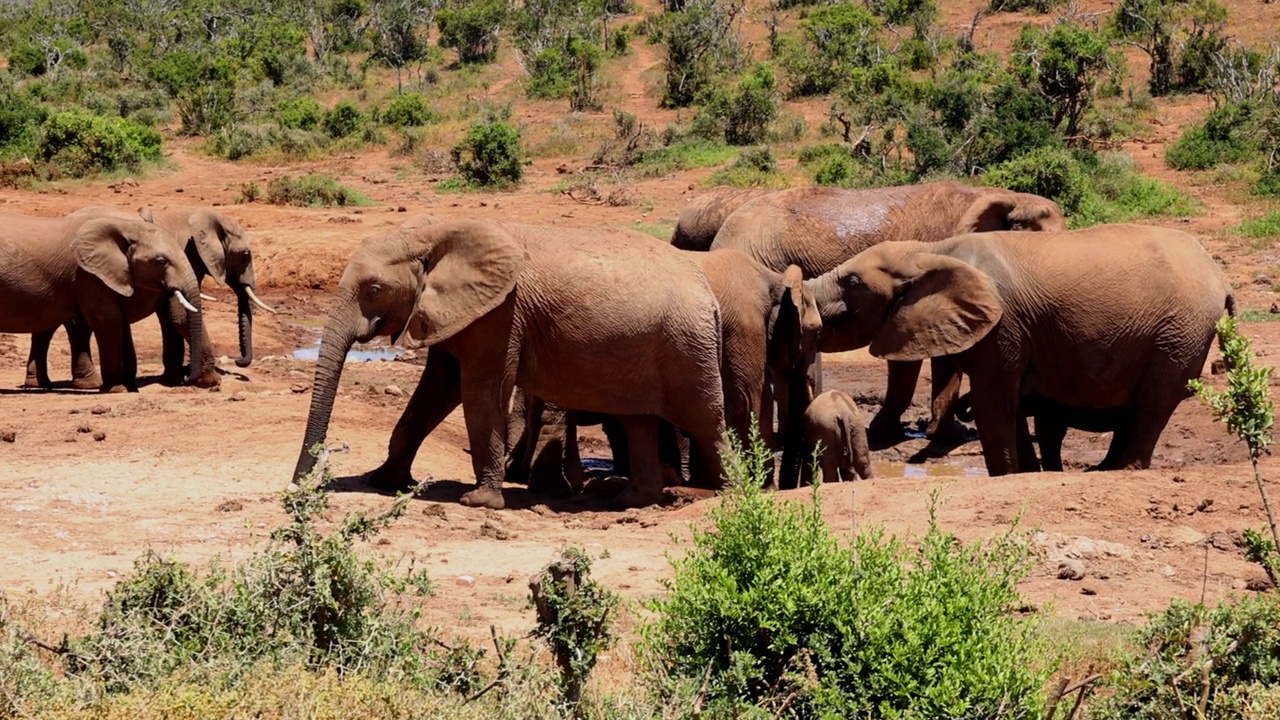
100,410
1179,479
84,429
1070,570
99,436
299,388
493,530
229,506
1275,308
1088,591
465,581
435,510
239,397
1205,505
8,435
393,391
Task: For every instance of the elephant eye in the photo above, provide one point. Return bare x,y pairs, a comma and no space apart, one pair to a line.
374,290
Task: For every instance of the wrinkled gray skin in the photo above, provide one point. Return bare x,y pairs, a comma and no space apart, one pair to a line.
1052,421
97,273
1057,315
592,319
770,329
701,219
818,228
833,423
215,244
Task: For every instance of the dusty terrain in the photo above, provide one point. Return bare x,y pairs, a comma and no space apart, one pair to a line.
194,473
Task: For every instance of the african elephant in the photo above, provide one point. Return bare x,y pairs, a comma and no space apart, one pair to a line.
1053,419
770,328
1116,318
817,228
590,319
701,219
214,244
833,422
109,271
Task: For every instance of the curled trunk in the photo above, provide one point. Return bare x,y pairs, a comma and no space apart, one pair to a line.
244,310
195,326
339,334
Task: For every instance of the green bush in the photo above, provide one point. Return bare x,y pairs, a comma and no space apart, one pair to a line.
1054,173
312,191
828,46
20,116
701,44
79,144
344,120
745,111
28,59
408,110
1036,6
1265,226
769,608
471,28
202,85
490,155
1223,137
300,114
1229,655
754,167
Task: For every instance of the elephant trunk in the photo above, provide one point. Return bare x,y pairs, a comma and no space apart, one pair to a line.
195,327
244,310
339,335
791,425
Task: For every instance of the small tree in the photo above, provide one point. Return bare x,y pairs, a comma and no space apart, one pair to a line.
574,614
1245,406
701,44
399,33
471,28
1066,63
490,154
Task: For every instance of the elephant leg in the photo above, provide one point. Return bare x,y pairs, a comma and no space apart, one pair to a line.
129,359
38,361
84,374
645,486
1134,441
995,412
111,331
886,427
521,457
1027,460
860,452
946,378
617,437
1119,441
574,475
439,392
173,349
1050,433
830,465
484,400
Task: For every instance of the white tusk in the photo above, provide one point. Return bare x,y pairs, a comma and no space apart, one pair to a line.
183,299
206,296
257,301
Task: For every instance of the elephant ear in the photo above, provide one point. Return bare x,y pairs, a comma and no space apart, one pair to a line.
988,213
145,213
101,247
794,335
208,233
944,306
469,269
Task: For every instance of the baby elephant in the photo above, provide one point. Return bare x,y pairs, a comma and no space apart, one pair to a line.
834,421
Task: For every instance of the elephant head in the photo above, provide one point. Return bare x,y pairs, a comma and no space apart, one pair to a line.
425,282
130,256
997,209
219,246
905,303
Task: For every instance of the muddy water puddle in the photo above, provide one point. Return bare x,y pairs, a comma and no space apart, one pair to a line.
378,352
911,470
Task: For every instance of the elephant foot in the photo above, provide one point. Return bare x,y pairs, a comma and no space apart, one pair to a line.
92,382
113,389
169,379
31,383
886,433
208,379
947,433
485,497
388,478
634,496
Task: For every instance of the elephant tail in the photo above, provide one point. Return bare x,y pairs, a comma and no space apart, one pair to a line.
964,407
1230,305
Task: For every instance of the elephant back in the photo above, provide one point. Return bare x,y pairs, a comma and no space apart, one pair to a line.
699,222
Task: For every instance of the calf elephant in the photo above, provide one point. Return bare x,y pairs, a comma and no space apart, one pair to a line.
832,421
590,319
1113,318
701,219
108,271
817,228
214,244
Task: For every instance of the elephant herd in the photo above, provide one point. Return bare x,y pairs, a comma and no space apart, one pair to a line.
533,329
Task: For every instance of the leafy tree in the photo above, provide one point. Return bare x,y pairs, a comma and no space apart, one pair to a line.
1179,36
701,44
743,114
490,154
203,87
398,31
471,27
829,44
1065,63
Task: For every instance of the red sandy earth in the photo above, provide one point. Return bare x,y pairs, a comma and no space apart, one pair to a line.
194,473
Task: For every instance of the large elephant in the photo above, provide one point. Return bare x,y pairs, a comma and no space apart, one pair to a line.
817,228
215,244
701,219
105,270
770,327
1113,318
591,319
1053,419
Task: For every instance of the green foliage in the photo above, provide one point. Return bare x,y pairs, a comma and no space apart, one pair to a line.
344,120
1227,658
312,191
1225,136
828,46
1035,6
299,114
1066,63
754,167
490,155
1181,38
1264,226
768,608
408,110
79,144
20,116
574,618
202,86
399,32
1049,172
701,44
742,114
918,13
471,28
